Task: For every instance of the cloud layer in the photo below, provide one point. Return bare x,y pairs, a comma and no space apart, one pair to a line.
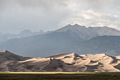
16,15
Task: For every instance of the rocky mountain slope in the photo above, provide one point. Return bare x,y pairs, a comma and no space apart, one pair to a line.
71,38
89,32
68,62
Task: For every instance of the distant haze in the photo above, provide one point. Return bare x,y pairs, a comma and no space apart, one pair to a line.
17,15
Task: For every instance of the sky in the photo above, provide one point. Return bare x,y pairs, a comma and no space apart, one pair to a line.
36,15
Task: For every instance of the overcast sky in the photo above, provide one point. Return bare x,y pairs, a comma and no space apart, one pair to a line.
17,15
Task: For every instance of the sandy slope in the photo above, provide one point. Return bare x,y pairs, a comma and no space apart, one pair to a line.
70,62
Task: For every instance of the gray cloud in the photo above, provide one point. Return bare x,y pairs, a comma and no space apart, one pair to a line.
16,15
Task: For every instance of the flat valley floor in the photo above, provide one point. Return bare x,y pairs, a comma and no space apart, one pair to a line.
59,76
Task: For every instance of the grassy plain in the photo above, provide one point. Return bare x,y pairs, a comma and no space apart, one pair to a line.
59,76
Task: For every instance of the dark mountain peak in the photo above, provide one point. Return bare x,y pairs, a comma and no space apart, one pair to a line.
7,55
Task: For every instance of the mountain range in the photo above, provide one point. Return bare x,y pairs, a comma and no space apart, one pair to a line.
71,38
24,33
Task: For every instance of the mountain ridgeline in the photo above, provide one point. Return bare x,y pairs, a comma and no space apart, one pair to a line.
71,38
